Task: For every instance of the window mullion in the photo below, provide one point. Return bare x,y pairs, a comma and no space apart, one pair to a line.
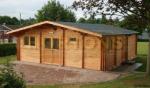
51,43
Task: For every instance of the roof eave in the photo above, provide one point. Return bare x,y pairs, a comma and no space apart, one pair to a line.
56,24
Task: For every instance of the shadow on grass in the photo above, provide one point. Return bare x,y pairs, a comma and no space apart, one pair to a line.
142,59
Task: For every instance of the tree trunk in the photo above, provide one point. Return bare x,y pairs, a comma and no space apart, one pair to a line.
148,57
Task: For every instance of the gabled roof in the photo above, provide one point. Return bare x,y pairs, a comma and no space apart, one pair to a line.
94,29
100,28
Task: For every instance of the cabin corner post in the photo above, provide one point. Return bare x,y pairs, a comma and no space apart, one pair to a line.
40,46
126,59
136,41
115,53
64,33
83,50
101,53
103,57
18,48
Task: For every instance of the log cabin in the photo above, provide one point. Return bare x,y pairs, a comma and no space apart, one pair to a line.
80,45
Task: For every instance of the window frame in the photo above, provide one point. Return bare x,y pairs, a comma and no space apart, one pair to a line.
31,41
51,44
28,40
72,39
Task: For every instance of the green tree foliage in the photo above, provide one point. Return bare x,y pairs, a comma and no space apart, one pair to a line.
82,20
102,20
54,11
132,22
138,8
9,20
26,22
10,79
14,21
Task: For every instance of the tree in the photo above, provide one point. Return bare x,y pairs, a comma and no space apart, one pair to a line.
82,20
54,11
27,21
9,20
138,8
104,19
132,23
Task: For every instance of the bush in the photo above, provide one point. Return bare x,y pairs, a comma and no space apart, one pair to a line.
143,40
7,49
10,79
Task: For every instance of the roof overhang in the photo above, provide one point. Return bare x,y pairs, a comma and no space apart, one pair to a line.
55,24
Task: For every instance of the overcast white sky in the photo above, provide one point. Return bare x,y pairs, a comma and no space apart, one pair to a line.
27,8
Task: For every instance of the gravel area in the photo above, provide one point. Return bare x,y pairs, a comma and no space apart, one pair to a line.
51,74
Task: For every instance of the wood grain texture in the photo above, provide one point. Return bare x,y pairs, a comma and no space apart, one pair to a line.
92,52
132,47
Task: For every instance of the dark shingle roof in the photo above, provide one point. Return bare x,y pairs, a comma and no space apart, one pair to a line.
100,28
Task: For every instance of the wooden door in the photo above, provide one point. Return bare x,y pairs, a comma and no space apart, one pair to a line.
51,51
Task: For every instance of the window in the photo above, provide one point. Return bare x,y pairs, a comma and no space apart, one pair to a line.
52,43
72,39
29,40
55,43
26,40
47,43
32,41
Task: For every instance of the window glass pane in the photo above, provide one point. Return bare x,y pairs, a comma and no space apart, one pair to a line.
32,41
72,39
55,43
26,40
47,43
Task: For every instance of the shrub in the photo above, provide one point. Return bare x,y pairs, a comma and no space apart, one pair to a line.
10,79
7,49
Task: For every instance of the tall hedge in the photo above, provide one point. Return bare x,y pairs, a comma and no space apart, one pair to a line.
7,49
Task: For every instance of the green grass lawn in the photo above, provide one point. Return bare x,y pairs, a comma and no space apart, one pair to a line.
142,48
142,51
134,80
6,59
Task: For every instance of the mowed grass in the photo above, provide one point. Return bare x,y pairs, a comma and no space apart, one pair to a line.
142,52
7,59
142,48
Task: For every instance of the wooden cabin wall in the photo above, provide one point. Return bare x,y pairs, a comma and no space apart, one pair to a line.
121,49
132,47
73,49
30,53
92,59
114,53
52,56
75,54
109,52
